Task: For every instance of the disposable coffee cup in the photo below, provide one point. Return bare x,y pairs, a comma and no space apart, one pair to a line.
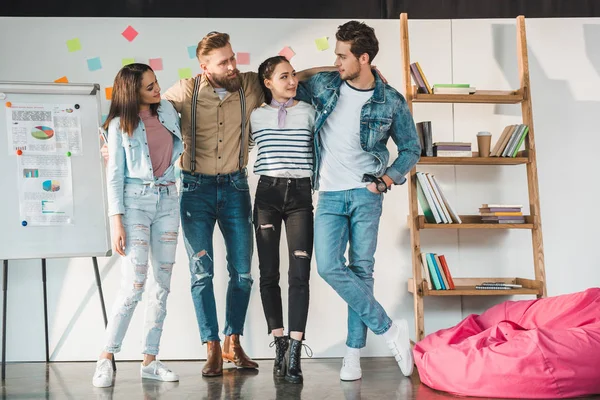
484,140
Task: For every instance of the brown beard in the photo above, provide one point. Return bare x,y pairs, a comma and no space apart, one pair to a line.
232,85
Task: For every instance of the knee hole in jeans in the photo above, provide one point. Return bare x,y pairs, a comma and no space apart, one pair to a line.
167,267
168,238
301,254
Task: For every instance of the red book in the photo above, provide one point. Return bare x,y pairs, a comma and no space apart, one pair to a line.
447,271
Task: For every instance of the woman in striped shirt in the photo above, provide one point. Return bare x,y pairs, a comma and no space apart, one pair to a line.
283,132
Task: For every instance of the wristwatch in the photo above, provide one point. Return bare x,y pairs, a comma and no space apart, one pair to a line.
380,185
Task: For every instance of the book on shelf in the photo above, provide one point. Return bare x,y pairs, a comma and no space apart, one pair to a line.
482,287
436,207
419,78
452,149
501,214
511,285
453,88
436,272
510,141
425,137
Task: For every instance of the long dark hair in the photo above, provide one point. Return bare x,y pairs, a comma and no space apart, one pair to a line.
265,71
125,101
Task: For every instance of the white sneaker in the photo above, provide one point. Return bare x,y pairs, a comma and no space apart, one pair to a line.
103,376
400,347
351,370
158,371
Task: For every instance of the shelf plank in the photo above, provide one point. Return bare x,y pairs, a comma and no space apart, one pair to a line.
480,96
474,222
466,287
475,160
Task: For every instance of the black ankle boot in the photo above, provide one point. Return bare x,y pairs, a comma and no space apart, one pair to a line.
281,345
294,370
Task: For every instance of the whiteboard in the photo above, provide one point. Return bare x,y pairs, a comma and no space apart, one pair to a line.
88,233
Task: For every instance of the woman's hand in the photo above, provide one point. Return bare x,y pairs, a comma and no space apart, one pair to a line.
104,153
118,236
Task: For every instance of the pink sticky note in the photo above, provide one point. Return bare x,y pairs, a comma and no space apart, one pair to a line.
129,33
156,64
287,53
243,58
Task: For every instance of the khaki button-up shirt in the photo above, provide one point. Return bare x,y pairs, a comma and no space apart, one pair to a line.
218,124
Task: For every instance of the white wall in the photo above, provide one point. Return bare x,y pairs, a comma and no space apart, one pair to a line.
480,52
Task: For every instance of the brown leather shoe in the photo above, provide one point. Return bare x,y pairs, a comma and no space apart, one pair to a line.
214,359
233,352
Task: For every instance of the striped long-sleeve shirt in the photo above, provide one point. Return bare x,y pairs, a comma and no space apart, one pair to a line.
288,151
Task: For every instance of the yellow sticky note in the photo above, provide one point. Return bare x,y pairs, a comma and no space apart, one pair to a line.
322,43
185,73
127,61
73,45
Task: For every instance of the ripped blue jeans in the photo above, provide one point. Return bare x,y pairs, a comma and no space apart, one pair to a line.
205,201
151,223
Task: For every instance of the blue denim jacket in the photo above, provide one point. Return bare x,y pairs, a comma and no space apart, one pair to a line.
384,115
129,157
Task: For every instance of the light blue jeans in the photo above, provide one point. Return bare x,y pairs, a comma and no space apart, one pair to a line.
151,223
351,216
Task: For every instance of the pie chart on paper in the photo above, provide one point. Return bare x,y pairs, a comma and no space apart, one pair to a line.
42,132
51,186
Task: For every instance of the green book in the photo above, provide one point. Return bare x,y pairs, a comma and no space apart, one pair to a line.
452,85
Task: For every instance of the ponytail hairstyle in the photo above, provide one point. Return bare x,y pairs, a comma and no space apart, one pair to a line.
265,71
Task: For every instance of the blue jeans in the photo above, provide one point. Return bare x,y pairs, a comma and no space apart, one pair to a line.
222,199
351,216
151,223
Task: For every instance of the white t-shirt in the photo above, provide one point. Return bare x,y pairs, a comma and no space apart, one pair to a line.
343,161
288,151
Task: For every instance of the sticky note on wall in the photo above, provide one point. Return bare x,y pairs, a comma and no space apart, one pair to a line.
156,64
127,61
62,80
192,51
73,45
287,53
129,33
185,73
322,43
243,58
94,64
108,92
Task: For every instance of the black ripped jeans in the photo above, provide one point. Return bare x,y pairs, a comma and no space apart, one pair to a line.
288,200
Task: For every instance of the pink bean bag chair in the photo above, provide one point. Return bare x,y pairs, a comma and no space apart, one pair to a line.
544,348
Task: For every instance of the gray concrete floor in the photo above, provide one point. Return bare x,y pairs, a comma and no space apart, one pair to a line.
381,380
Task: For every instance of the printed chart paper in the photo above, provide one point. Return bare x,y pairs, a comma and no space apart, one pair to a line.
45,190
43,129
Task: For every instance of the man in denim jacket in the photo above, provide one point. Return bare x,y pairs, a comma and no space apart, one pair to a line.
356,115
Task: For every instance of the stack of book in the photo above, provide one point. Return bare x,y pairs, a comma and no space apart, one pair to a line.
434,204
498,286
510,141
453,88
419,78
436,272
501,214
452,149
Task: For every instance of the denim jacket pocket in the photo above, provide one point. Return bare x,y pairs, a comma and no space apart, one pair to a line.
133,149
378,128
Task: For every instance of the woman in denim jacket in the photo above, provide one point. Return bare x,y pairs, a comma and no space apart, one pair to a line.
283,130
144,142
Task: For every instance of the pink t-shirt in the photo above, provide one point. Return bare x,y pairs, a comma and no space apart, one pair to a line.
160,143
